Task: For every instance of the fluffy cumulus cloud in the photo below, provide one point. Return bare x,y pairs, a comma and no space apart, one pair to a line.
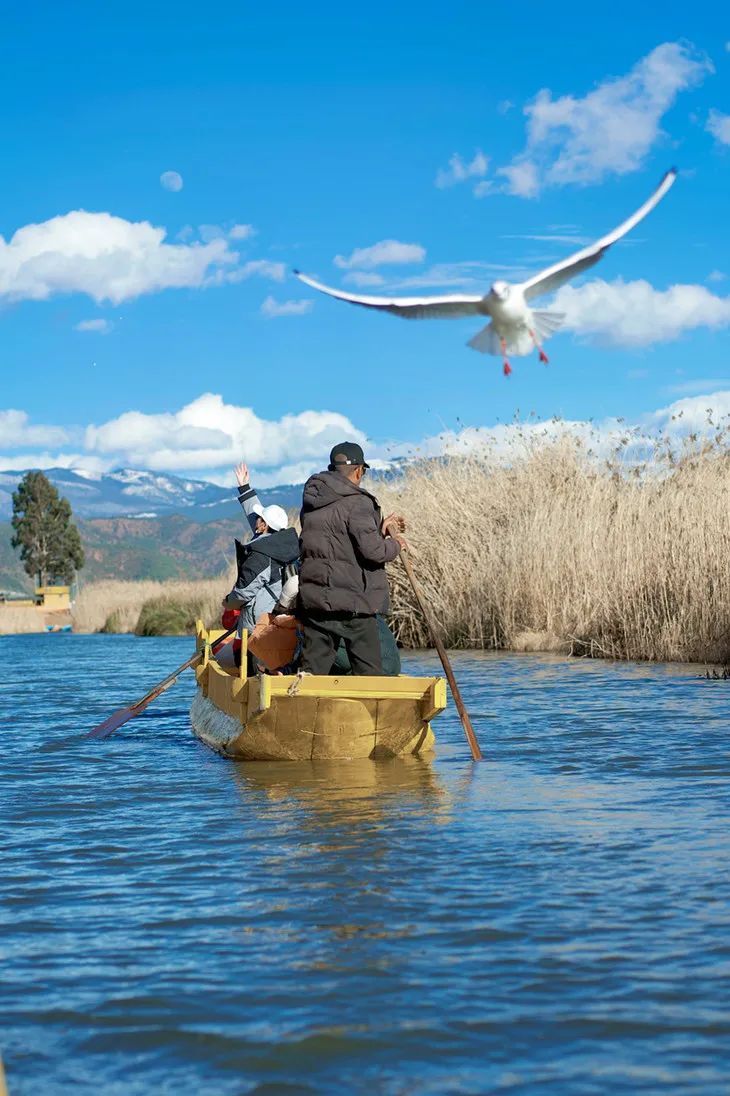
208,434
719,126
111,259
17,432
609,131
384,253
207,437
272,309
636,314
171,180
460,171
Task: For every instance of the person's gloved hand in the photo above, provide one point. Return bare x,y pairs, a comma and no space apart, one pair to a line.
230,618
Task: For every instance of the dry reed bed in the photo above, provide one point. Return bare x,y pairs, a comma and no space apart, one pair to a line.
15,620
115,606
556,551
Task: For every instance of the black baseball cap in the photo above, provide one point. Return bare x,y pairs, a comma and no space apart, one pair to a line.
347,453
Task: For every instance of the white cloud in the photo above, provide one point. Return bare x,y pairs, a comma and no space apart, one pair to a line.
385,252
702,384
459,170
272,308
364,280
101,327
17,432
262,268
716,276
241,232
522,179
171,180
79,462
610,131
106,257
636,314
111,259
693,413
209,434
633,441
719,126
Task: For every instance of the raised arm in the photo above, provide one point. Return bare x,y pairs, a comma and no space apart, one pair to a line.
247,497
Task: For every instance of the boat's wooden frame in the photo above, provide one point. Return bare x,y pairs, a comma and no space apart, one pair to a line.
310,717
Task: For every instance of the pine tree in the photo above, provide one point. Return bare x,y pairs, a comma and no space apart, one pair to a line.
49,542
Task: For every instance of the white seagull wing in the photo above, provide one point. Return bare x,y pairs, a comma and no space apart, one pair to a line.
410,308
555,276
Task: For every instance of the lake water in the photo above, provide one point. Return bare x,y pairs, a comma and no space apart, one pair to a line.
553,921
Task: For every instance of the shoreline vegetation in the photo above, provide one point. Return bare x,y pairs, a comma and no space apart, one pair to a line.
551,547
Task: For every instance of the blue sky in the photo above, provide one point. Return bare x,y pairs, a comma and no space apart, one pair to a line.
317,132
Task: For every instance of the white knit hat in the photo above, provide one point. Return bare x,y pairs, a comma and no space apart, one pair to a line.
275,517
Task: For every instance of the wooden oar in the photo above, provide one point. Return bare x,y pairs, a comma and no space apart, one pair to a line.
123,715
471,738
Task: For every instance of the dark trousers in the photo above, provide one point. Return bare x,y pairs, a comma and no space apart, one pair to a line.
322,635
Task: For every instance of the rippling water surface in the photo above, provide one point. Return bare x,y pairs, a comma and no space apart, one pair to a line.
552,921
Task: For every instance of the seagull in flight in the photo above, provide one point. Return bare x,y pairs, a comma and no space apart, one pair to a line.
514,327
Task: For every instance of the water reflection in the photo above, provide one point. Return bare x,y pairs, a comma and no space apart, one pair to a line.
351,794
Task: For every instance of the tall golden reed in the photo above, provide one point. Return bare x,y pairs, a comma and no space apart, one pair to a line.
115,605
15,620
558,551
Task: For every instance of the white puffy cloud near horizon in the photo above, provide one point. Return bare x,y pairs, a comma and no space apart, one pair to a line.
110,259
207,437
383,253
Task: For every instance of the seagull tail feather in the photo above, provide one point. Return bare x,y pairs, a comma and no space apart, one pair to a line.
546,323
486,341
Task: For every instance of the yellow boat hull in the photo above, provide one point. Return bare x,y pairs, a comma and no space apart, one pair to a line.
291,718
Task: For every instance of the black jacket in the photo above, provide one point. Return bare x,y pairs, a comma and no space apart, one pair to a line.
342,549
258,583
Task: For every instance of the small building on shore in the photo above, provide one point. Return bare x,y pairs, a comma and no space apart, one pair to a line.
47,610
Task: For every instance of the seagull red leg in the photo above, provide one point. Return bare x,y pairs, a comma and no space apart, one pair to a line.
506,367
543,355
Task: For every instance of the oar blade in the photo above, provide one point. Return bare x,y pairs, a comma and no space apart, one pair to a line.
110,725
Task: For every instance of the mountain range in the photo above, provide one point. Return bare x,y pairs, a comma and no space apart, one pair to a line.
129,492
144,525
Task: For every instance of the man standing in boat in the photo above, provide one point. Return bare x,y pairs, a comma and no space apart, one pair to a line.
345,545
263,563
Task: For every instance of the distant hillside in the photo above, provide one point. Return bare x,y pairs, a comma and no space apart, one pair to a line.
172,546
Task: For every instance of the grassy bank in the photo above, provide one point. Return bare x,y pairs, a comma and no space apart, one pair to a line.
555,551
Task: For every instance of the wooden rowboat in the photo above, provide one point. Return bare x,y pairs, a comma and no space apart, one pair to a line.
298,718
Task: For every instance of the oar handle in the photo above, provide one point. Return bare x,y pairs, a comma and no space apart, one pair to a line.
471,738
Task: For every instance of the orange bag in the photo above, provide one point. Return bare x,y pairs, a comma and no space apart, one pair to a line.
274,640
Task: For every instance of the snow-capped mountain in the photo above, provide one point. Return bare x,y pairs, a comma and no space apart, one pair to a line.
129,492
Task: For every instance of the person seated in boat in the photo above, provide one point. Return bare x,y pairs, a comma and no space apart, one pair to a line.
345,544
265,562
